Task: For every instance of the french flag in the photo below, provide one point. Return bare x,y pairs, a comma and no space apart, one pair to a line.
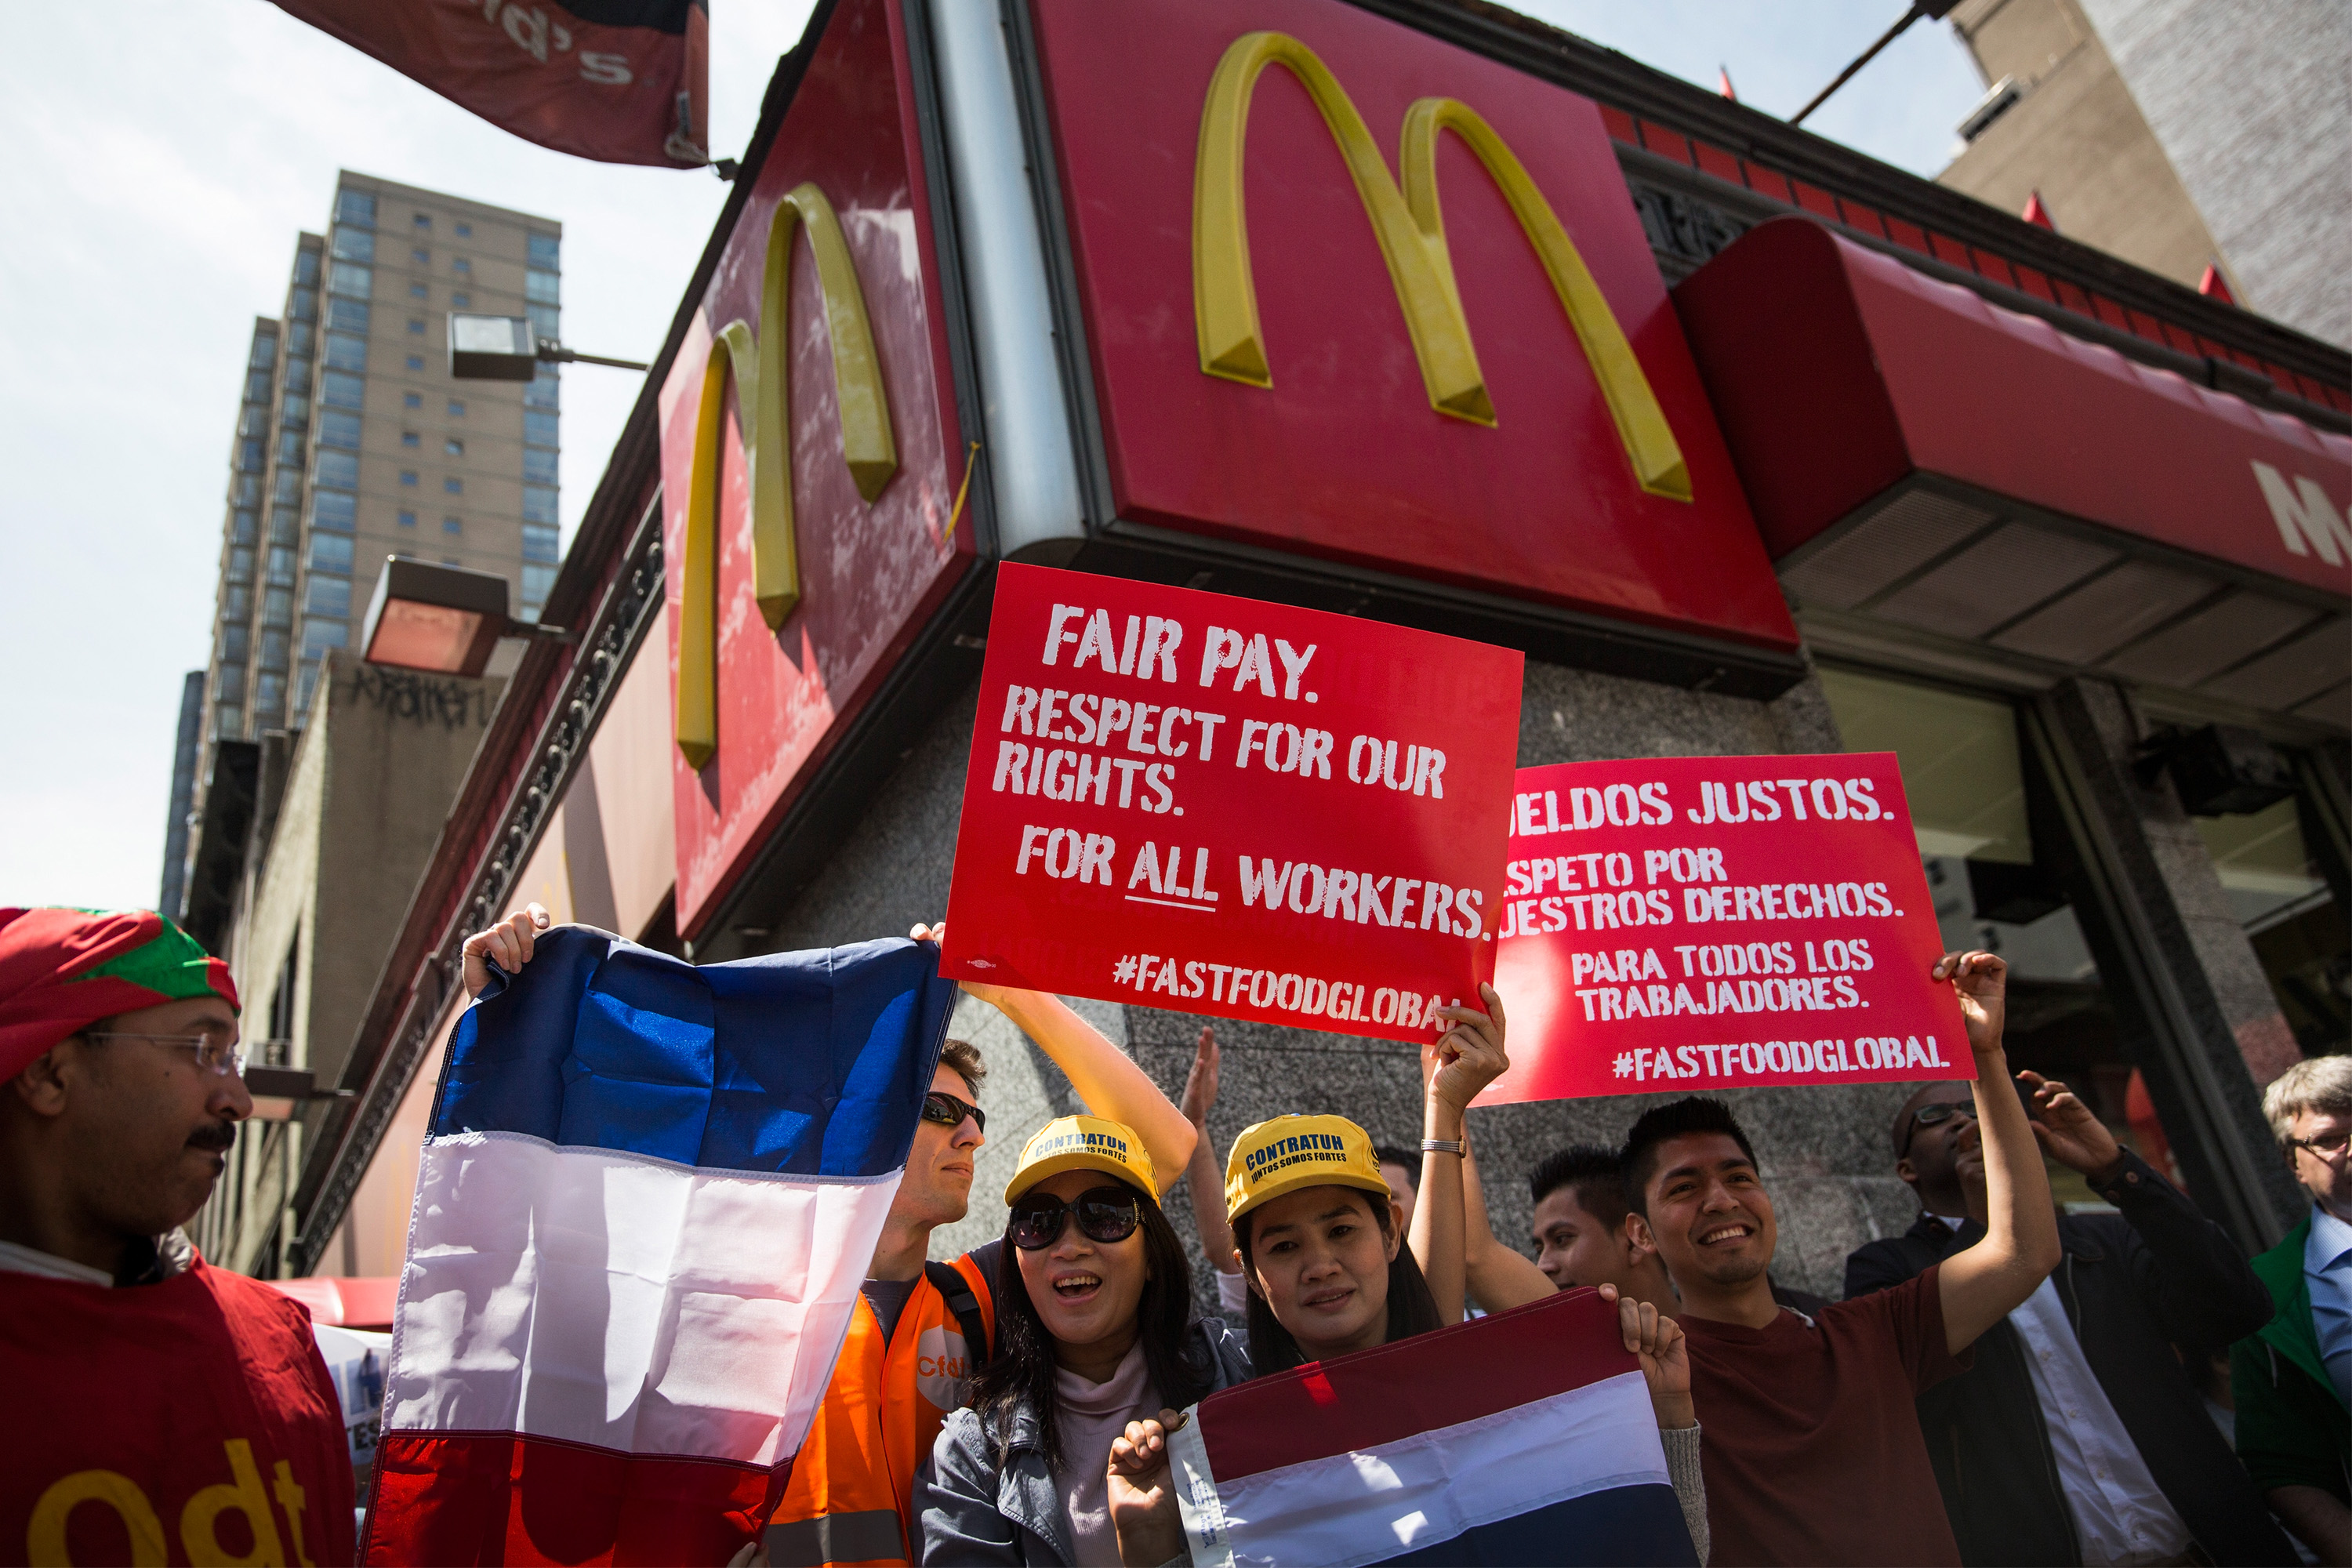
1524,1438
647,1199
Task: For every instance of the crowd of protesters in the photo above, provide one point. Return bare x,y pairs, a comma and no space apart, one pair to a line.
2001,1384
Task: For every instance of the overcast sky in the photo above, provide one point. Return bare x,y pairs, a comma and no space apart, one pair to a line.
159,156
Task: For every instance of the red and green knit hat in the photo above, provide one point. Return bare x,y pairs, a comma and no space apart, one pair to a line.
61,970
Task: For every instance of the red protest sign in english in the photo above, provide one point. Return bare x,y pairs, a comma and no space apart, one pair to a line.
1718,922
1232,808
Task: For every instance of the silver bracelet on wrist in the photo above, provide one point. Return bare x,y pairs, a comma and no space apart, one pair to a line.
1441,1145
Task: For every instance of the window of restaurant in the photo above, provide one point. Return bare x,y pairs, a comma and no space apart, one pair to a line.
2278,889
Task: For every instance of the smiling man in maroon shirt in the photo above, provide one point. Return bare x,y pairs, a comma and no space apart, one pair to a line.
1812,1451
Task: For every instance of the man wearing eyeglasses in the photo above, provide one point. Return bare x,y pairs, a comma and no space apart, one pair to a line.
910,1352
2076,1437
2292,1380
162,1409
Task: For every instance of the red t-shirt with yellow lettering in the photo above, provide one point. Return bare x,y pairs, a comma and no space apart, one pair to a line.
1809,1441
184,1422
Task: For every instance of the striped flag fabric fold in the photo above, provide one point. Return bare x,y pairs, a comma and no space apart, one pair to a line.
647,1197
1525,1438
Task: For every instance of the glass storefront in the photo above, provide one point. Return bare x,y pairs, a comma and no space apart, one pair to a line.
2279,891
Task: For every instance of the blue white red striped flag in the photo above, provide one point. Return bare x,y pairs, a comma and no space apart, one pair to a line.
647,1201
1524,1438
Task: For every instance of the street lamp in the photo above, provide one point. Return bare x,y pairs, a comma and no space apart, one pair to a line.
443,619
504,348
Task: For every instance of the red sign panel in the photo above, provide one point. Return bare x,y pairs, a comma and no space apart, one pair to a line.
811,455
1700,924
1401,293
622,84
1228,806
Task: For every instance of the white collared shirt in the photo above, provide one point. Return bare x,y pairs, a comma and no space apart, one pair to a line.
2327,1275
16,1259
2121,1516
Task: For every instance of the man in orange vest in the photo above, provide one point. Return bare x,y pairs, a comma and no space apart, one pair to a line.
909,1353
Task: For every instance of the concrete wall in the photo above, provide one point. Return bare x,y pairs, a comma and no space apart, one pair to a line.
1823,1151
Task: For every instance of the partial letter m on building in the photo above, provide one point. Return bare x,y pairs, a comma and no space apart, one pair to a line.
2307,521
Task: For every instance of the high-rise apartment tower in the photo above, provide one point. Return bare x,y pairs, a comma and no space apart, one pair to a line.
353,444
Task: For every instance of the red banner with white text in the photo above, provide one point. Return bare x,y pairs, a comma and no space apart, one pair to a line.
1695,923
622,82
1226,806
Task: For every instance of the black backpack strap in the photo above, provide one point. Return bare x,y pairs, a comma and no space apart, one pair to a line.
949,1282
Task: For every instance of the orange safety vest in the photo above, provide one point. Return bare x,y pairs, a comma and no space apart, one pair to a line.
850,1501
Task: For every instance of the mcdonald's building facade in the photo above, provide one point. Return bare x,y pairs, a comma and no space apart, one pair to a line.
1419,311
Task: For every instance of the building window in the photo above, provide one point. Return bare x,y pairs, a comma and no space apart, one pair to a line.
539,466
297,375
356,207
546,250
539,429
339,470
338,429
350,277
228,684
297,338
347,316
237,604
453,525
339,389
265,353
281,566
294,411
273,649
545,319
454,486
416,361
286,489
228,724
412,400
408,519
346,353
465,230
249,457
268,694
327,596
354,244
330,552
254,421
456,409
302,304
247,492
536,581
461,265
232,645
241,565
243,527
319,636
539,504
415,327
411,439
423,221
277,607
306,266
256,387
417,291
540,543
303,686
284,524
461,301
543,288
545,390
289,446
331,509
408,478
452,446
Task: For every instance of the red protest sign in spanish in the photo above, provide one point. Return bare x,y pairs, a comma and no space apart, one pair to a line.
1233,807
1719,923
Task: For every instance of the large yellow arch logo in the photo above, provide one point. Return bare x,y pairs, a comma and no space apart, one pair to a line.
1410,229
762,373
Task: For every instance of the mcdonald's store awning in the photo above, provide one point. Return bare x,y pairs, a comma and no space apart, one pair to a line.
1918,455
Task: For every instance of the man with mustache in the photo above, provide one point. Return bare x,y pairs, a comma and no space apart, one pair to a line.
1812,1451
2076,1437
168,1410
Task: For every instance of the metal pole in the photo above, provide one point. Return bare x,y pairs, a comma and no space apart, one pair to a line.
1863,59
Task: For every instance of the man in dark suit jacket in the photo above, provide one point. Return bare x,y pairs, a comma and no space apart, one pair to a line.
2077,1438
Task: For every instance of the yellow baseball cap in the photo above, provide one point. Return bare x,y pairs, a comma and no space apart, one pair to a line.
1085,1143
1294,1152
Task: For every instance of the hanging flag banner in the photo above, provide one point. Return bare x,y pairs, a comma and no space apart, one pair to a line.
1695,924
621,81
1233,807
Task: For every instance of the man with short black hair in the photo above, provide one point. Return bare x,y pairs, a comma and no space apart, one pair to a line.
2076,1437
1813,1452
1579,1226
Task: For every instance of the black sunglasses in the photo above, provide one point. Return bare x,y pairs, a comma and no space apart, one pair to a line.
949,1111
1930,1115
1105,1215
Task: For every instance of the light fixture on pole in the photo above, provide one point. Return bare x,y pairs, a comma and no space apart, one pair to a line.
443,619
504,348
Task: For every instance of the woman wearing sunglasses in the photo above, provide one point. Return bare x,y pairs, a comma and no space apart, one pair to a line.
1094,1331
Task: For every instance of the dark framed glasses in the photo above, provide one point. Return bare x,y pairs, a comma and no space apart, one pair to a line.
1932,1114
1105,1214
949,1111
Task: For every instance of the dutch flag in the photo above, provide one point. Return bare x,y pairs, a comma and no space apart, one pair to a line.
1524,1438
647,1199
